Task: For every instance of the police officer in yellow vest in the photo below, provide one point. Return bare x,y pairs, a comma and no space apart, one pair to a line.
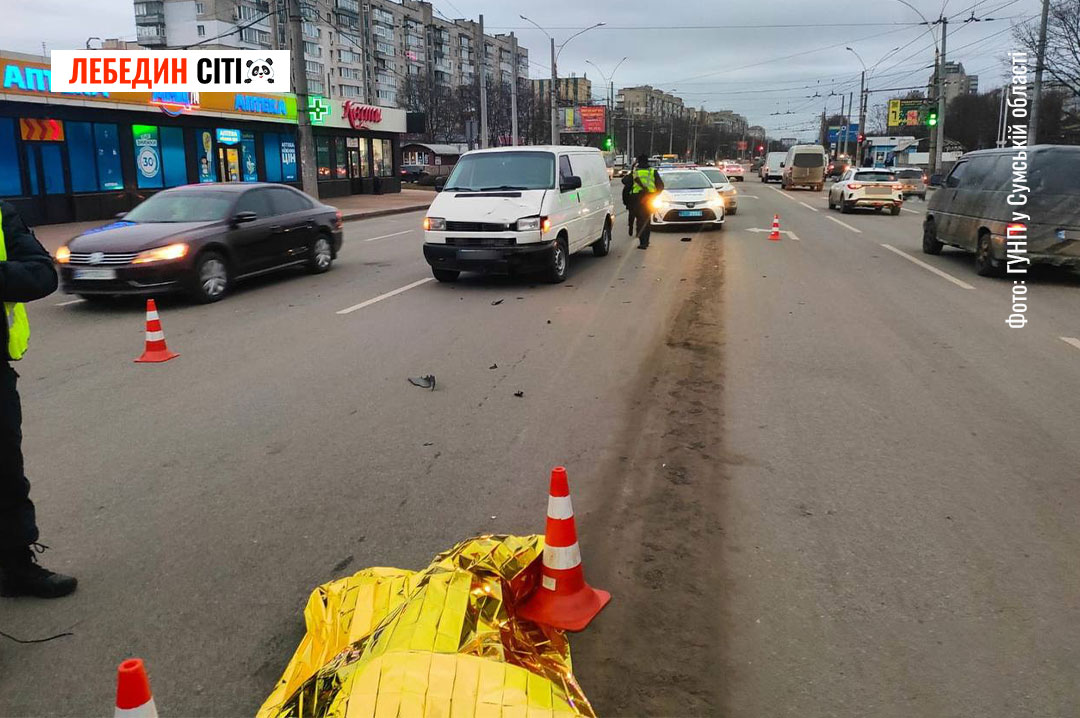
646,185
26,273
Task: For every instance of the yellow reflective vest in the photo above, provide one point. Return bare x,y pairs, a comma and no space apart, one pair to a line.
644,181
18,325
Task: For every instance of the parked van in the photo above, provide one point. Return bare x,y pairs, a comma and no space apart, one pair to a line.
804,166
523,209
773,167
971,209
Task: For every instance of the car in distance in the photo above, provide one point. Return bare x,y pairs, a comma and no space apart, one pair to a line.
413,173
972,209
201,239
734,171
913,182
515,209
722,185
688,198
874,188
804,166
773,167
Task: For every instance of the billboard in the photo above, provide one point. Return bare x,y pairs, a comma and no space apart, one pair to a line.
907,113
583,118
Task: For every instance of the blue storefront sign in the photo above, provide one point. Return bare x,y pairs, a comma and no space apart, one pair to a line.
288,160
228,136
262,105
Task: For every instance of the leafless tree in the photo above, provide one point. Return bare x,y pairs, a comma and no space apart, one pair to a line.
1062,63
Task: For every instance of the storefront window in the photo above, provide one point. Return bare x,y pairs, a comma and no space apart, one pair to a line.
383,157
107,140
272,156
288,158
340,160
147,156
365,158
52,168
80,142
322,155
205,152
173,156
10,178
31,162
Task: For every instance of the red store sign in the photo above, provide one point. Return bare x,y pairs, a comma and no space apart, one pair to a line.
360,116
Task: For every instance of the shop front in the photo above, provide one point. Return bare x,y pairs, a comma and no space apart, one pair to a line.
356,147
75,157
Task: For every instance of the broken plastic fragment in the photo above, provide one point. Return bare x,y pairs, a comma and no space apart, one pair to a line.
424,382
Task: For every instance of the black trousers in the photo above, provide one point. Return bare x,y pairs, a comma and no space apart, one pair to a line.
644,220
18,525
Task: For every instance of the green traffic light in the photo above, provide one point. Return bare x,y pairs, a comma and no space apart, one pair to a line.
931,119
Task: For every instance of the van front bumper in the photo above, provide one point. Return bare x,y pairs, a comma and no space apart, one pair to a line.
491,260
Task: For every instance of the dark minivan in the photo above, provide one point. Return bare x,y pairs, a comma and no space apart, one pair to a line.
200,239
971,209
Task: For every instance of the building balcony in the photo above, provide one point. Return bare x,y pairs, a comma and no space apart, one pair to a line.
153,18
156,40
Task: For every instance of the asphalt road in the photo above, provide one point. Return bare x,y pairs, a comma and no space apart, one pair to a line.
818,477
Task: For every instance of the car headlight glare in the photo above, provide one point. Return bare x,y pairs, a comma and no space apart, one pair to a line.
63,255
435,224
167,253
659,203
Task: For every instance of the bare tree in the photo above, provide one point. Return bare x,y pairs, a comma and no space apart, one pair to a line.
1062,44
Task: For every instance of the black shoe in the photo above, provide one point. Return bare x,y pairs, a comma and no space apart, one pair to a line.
643,246
21,575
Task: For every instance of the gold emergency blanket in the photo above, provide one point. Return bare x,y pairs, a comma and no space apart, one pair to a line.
445,641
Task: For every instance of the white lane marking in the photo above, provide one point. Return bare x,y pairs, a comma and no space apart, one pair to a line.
782,193
788,232
791,234
928,267
812,209
905,209
845,224
1071,341
394,293
387,236
69,302
749,196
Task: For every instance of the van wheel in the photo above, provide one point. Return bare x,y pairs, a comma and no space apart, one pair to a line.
445,275
985,266
602,246
560,259
930,243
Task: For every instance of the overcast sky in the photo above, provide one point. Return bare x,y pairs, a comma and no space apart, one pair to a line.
757,57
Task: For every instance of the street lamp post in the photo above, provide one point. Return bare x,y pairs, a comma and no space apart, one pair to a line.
862,99
555,72
609,80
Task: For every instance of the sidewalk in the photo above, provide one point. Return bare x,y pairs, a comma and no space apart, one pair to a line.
354,207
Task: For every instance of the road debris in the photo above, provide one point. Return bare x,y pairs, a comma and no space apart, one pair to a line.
519,394
493,366
497,302
424,382
686,239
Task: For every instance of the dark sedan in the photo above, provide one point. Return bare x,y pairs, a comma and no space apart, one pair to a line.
200,239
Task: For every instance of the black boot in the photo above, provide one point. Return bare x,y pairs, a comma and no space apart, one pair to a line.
21,575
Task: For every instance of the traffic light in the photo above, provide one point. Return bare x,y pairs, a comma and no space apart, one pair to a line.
931,118
761,148
861,138
609,143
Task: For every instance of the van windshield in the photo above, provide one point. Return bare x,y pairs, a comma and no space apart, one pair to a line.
809,159
490,171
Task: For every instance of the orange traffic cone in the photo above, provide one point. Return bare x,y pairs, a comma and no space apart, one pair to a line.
133,697
563,600
155,351
775,234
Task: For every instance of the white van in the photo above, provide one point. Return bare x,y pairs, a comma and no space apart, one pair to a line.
773,167
515,209
804,166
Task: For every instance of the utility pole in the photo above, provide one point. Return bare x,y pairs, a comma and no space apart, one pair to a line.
483,88
862,116
309,178
671,135
847,129
933,130
554,97
514,92
843,129
611,113
941,94
1040,60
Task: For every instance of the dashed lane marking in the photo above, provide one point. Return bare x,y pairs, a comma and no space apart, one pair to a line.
70,302
1071,341
912,211
393,293
812,209
387,236
930,268
845,225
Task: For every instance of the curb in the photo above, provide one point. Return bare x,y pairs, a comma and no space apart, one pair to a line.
356,216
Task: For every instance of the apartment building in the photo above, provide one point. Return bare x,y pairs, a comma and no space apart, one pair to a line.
352,49
569,90
957,82
646,101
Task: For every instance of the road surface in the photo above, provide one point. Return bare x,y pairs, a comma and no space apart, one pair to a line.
818,476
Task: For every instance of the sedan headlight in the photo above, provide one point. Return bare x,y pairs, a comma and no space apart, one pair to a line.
435,224
63,255
167,253
730,192
659,202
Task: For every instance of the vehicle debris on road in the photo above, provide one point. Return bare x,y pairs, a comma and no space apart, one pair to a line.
424,382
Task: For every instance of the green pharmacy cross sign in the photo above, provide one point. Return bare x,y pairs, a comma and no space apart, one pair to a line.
318,109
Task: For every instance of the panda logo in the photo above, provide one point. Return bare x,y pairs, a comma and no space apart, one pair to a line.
260,70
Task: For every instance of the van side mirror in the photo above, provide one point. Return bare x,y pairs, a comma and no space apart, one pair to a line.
935,180
243,218
440,183
570,183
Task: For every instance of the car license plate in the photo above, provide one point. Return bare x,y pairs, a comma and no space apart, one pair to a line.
479,254
97,274
691,213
